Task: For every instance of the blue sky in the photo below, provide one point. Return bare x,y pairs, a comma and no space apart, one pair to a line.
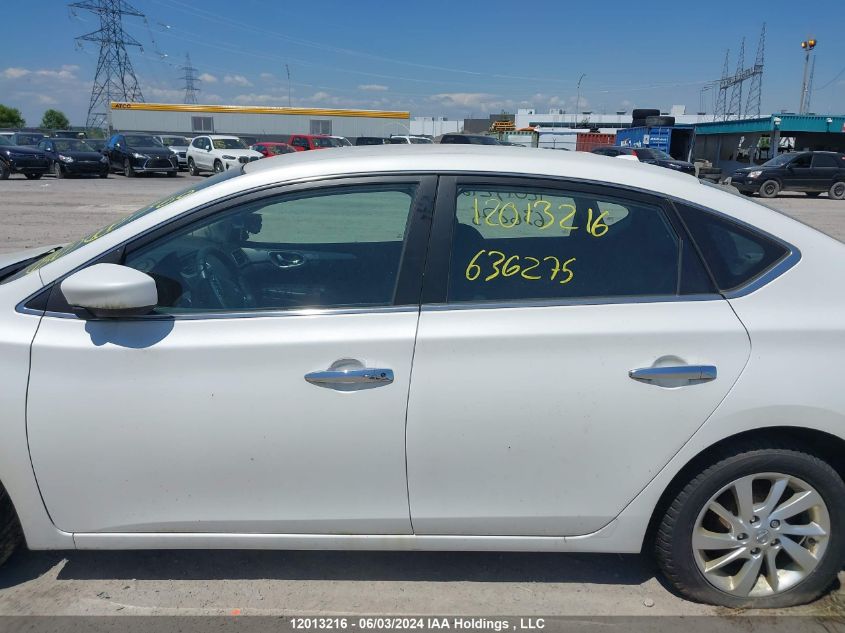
453,59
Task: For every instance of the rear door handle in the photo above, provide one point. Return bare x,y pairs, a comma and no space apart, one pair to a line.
683,372
350,374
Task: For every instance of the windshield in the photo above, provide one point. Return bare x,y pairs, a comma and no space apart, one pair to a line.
320,141
178,141
779,161
142,141
155,206
28,139
418,140
228,143
483,140
344,142
72,145
96,143
654,154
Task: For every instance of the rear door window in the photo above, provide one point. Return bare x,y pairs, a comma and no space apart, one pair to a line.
512,244
824,160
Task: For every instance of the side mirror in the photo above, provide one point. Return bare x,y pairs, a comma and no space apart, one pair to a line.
109,291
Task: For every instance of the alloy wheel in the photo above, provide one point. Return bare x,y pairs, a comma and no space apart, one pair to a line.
761,535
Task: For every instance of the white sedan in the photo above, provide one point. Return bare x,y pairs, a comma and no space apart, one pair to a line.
437,347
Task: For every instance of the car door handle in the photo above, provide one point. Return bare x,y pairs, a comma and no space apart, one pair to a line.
683,372
350,374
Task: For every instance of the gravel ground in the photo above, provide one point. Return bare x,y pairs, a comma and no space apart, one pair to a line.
99,583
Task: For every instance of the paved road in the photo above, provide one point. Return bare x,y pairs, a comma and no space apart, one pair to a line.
51,211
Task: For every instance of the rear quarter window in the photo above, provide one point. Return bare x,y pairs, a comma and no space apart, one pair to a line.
734,253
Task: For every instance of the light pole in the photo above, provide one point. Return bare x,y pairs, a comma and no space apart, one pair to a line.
578,99
287,70
702,109
808,45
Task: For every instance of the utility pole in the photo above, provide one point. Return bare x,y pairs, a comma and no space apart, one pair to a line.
578,99
287,70
808,45
190,78
115,78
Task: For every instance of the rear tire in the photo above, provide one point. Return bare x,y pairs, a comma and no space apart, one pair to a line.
770,189
58,172
707,553
128,171
5,172
10,529
192,168
837,191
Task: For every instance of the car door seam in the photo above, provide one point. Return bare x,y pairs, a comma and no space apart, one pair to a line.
26,420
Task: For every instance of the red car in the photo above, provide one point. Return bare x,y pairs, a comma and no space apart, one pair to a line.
272,148
302,142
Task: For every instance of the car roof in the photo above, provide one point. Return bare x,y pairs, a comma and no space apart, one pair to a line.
439,158
220,136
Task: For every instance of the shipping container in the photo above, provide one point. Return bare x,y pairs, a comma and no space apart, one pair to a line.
675,141
586,142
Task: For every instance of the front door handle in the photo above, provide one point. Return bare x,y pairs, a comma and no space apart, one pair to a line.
349,374
684,372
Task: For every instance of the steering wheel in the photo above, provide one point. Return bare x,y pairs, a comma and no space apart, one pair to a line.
219,276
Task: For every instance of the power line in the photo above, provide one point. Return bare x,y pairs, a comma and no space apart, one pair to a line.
115,78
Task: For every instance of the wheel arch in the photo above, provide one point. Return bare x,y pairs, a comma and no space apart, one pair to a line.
826,446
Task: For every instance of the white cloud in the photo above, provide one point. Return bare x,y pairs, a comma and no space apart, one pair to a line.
372,87
267,76
237,80
36,97
15,73
65,72
264,99
164,95
56,74
208,78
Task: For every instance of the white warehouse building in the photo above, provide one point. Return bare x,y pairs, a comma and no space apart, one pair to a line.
254,121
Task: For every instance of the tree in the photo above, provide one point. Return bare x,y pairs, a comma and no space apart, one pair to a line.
10,117
54,120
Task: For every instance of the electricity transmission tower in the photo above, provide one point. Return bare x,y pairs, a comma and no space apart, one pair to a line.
727,110
735,106
755,94
190,78
115,79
